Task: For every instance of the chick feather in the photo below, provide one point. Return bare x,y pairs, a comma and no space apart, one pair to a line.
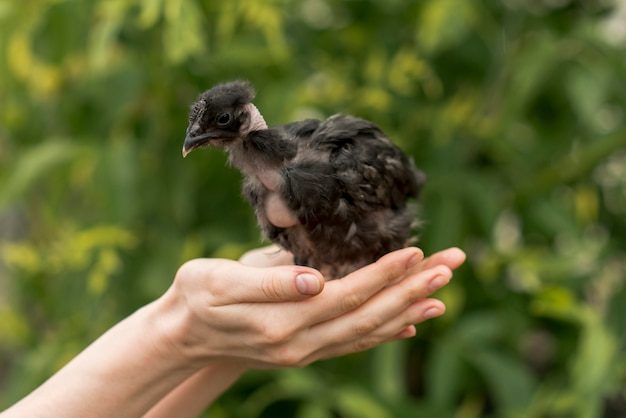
337,193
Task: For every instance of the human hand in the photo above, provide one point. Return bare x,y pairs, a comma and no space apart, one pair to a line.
222,309
273,255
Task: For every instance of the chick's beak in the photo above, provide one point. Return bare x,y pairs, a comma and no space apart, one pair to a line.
188,145
194,139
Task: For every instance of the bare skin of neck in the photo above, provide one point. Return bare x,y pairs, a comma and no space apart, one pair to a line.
240,157
237,155
256,121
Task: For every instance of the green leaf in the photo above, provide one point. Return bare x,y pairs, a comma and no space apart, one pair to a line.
510,383
444,371
150,12
184,33
443,23
34,164
479,328
354,402
388,366
314,410
593,367
302,384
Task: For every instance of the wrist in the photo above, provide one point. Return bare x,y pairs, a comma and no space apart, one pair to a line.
171,325
136,355
185,334
175,338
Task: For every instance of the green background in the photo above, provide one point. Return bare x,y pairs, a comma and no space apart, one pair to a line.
514,109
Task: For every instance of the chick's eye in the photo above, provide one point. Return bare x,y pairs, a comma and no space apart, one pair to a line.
223,119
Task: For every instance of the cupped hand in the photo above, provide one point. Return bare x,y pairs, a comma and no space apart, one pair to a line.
286,315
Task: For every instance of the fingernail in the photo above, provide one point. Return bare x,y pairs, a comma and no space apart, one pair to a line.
308,284
431,313
438,282
415,258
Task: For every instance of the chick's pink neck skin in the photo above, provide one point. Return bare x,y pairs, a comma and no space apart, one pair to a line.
239,155
255,122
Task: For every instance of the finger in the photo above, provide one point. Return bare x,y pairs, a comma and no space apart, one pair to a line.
269,256
350,292
231,282
383,308
451,257
418,312
407,332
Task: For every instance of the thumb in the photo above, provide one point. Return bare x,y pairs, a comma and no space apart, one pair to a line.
244,284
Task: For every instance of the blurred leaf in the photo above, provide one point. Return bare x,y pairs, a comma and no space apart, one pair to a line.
388,366
571,167
107,263
588,90
183,36
150,12
444,22
21,256
314,410
43,79
479,328
509,381
353,402
14,328
537,56
290,384
33,164
444,371
104,49
557,302
593,368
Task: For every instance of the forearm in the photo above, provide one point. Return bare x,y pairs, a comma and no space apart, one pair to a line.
122,374
195,394
169,357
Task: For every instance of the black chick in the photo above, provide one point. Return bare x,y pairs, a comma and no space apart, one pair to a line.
332,192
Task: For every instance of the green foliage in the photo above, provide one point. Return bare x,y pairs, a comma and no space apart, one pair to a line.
514,109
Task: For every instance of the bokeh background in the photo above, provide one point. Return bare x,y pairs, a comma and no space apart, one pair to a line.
514,109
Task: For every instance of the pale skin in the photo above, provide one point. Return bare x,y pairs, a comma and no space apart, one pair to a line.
176,355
